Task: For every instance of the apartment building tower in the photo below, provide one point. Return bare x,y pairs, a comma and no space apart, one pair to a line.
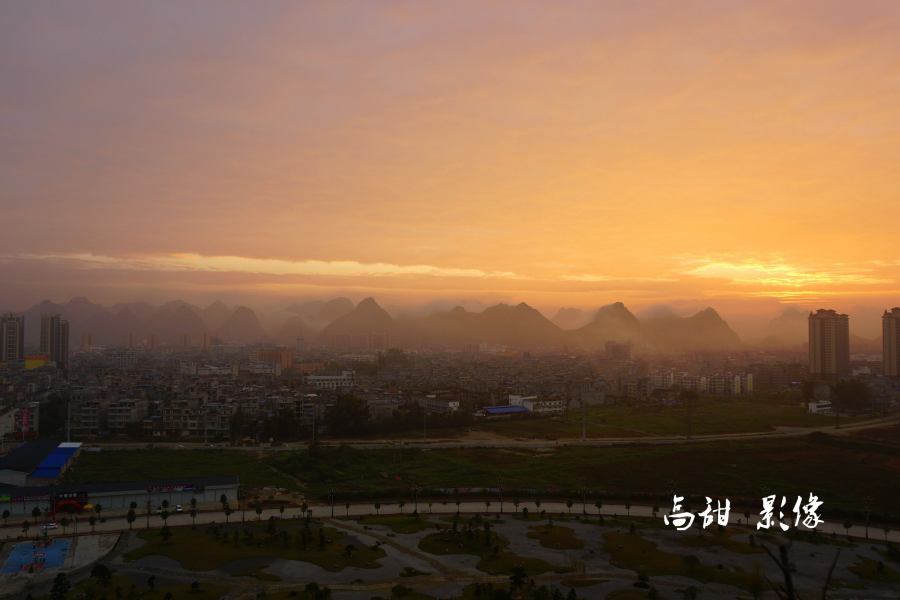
890,328
55,338
12,337
829,344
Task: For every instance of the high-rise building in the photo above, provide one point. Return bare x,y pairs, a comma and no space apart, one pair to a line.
205,341
152,342
131,341
890,328
12,337
301,344
55,338
829,344
185,340
619,350
87,341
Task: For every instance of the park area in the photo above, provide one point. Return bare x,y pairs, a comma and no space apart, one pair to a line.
541,556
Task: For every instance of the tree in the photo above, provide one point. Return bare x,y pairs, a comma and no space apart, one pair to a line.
348,416
377,507
228,513
151,582
281,510
887,530
537,503
165,533
487,506
569,504
35,512
691,593
400,591
61,587
628,507
93,521
655,510
193,503
131,517
224,500
64,522
349,549
303,508
847,525
757,590
5,517
572,595
525,512
102,574
691,562
401,504
258,511
430,504
516,505
98,508
850,394
25,526
133,505
458,502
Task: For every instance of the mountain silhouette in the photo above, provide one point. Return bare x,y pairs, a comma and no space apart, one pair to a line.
215,314
571,318
242,326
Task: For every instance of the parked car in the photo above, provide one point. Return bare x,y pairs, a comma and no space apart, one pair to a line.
177,508
159,510
49,526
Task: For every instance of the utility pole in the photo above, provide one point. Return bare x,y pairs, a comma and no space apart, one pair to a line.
331,496
148,502
583,505
500,487
425,421
583,421
868,500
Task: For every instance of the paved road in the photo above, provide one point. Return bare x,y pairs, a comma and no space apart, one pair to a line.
355,510
497,441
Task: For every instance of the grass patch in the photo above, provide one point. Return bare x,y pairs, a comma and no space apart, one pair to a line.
631,551
627,595
874,570
202,550
399,523
447,543
735,469
411,572
131,465
182,591
256,572
557,537
722,539
578,583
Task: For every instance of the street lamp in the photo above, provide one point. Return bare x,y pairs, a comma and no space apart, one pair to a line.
500,488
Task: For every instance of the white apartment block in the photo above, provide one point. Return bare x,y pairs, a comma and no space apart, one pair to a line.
332,382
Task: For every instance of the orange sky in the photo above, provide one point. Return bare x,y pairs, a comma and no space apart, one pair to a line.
735,154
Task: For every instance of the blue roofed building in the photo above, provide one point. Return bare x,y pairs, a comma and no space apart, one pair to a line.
37,463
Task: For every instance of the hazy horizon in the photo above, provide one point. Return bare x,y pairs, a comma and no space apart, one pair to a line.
735,155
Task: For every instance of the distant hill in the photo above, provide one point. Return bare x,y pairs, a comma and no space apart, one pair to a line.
791,326
169,323
112,328
571,318
292,327
612,323
317,313
366,317
242,326
215,314
704,330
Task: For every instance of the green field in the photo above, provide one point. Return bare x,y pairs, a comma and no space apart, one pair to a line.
710,415
134,465
399,523
446,542
198,550
840,470
182,591
631,551
556,537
